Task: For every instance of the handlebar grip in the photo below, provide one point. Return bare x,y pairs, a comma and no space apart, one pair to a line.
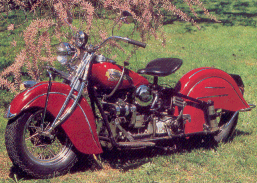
137,43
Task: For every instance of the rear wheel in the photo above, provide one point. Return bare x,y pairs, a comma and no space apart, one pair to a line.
35,154
228,122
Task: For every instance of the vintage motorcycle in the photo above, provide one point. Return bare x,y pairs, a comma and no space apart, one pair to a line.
51,122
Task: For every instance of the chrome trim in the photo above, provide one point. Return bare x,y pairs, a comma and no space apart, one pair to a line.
8,114
252,106
198,72
232,118
214,87
213,96
34,88
26,106
248,109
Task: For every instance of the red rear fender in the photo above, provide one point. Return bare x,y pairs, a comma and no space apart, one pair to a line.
80,126
209,84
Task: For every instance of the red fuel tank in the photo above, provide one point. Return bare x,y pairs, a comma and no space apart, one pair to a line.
106,75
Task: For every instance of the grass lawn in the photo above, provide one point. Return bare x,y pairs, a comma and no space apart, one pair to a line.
232,49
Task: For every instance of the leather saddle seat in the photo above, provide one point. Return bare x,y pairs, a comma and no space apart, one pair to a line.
161,67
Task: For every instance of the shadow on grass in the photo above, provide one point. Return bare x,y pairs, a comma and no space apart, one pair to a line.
238,133
132,159
17,175
84,164
126,160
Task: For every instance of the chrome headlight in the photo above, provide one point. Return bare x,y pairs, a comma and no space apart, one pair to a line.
81,39
65,52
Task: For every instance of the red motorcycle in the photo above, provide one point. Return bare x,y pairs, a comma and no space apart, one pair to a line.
51,122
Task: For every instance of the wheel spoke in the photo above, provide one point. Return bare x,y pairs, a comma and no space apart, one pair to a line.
42,147
31,147
50,150
32,136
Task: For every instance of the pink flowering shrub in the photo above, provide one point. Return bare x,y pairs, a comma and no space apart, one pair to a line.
38,35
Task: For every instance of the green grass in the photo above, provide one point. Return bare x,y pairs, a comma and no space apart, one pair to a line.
230,13
232,49
228,48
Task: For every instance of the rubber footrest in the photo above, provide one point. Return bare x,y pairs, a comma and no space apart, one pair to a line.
136,144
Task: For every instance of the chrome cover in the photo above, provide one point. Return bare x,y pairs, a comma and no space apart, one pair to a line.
143,95
102,58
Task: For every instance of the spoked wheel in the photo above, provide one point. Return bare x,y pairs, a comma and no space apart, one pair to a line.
34,153
227,123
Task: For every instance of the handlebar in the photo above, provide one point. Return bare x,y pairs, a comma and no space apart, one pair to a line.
130,41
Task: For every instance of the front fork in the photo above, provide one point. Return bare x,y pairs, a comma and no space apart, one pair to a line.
78,83
47,97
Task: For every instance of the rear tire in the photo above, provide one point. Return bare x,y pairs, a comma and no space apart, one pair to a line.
227,129
35,154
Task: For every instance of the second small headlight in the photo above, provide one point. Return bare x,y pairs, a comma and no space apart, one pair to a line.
65,52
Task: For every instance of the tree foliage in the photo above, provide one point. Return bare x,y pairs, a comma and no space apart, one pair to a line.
50,17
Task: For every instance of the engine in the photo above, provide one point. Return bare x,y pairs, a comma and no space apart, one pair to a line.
127,112
142,112
131,112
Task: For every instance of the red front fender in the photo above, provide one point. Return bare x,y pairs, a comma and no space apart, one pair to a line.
79,126
209,84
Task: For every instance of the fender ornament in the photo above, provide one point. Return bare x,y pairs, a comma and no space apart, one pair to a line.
8,114
114,75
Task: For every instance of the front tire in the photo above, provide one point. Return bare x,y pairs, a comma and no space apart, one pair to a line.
35,154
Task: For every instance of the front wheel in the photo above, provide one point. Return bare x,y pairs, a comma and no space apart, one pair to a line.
35,154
